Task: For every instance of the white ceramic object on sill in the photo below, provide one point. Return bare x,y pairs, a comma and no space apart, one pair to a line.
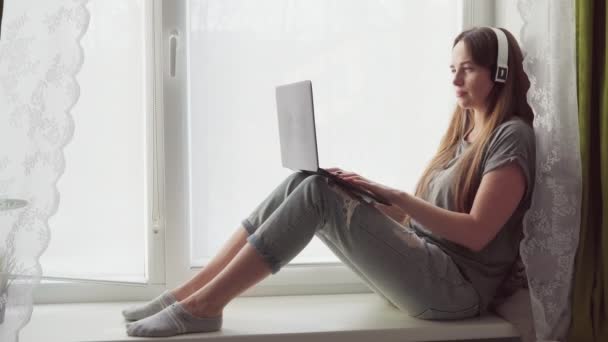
11,203
5,205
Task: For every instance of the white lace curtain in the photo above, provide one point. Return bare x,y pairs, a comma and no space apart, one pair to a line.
39,56
552,225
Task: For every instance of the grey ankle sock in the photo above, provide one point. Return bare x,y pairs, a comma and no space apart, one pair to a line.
173,320
138,312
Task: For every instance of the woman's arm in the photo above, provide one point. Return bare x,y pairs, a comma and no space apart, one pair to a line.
499,194
497,198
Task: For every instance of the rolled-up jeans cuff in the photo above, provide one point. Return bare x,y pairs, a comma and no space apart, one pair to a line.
272,261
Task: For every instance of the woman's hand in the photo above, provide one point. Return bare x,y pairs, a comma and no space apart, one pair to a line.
384,192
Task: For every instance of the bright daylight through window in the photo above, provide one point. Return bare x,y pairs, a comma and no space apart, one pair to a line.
372,65
99,230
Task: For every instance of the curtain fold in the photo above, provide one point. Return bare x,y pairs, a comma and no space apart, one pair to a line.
590,295
40,55
551,226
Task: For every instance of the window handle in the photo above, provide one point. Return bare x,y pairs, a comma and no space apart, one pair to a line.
173,53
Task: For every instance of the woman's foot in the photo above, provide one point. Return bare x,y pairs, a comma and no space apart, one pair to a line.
138,312
174,320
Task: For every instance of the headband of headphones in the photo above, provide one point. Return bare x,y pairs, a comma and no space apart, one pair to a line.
502,58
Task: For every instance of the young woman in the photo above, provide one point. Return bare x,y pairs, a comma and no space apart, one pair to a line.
440,254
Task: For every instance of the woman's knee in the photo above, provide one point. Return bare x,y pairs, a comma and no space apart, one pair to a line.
315,181
299,176
313,189
292,181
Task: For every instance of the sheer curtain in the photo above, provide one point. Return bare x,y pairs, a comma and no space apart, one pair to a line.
552,225
39,57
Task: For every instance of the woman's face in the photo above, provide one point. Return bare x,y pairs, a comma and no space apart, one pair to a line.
472,82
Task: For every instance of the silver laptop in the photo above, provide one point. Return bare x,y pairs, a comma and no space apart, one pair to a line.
298,136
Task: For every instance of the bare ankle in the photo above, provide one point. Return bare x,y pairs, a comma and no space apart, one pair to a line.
180,293
202,309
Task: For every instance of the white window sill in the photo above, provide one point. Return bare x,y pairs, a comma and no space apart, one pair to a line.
348,317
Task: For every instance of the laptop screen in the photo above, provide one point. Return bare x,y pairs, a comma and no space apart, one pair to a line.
297,126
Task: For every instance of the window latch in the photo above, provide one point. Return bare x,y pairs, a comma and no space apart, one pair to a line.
173,51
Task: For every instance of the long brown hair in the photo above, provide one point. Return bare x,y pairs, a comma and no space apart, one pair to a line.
504,101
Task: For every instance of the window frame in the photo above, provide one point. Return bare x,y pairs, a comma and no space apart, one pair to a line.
168,238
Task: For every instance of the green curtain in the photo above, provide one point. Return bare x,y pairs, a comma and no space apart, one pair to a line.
1,10
590,292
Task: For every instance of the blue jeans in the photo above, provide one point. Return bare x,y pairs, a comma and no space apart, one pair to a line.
409,272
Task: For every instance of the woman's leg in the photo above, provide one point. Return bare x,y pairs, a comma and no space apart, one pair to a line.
406,270
222,258
217,264
413,275
239,237
246,269
290,216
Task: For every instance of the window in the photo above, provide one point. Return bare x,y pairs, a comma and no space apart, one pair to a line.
101,248
99,230
190,108
378,70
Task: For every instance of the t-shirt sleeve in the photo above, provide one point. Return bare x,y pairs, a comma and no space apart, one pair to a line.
513,142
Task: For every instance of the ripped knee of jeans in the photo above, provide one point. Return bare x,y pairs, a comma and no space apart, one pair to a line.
349,203
412,240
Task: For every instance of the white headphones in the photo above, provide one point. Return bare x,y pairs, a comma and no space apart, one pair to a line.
502,58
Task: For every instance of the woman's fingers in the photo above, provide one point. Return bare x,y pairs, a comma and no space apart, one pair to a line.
339,172
335,170
354,177
351,178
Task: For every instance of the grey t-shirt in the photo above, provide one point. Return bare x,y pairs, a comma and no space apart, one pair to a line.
512,141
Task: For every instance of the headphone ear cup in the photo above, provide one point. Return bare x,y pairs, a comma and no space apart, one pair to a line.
493,71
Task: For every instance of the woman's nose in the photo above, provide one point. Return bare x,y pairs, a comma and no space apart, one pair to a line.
457,79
